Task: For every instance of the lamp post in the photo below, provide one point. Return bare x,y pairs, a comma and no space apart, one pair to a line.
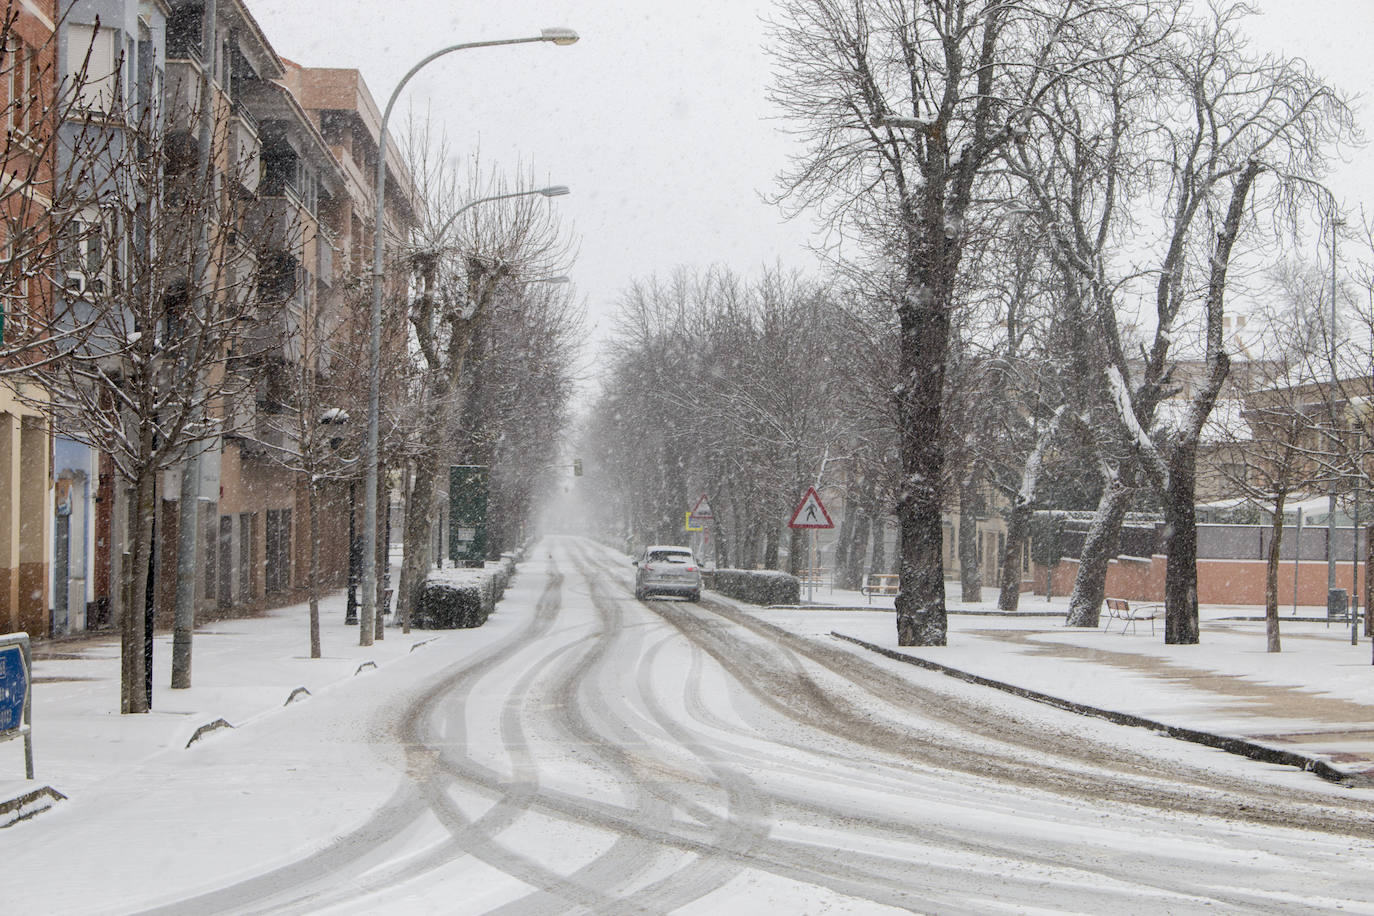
1336,223
367,620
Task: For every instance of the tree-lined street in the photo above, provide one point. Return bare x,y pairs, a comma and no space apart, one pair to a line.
1082,344
599,754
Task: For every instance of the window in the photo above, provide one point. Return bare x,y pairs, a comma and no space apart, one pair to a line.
84,255
92,68
21,82
278,561
14,293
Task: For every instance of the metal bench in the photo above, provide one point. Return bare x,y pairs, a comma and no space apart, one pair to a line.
1120,609
880,584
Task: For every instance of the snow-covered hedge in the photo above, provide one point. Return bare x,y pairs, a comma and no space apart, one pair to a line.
756,586
462,598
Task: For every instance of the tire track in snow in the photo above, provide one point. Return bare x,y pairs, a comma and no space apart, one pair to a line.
806,702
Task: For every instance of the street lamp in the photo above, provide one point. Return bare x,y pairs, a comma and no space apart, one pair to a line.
1336,223
367,620
558,190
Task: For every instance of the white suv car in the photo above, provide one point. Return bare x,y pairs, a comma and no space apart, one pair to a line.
667,570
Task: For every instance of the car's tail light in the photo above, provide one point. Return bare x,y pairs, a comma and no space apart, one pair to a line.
691,569
648,568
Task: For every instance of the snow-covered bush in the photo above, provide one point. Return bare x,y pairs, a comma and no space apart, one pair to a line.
756,586
462,598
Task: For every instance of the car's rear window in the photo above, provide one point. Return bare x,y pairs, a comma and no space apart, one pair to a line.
669,556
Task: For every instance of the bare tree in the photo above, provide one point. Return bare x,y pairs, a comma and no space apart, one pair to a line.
457,277
724,387
1184,116
904,112
311,433
150,377
516,404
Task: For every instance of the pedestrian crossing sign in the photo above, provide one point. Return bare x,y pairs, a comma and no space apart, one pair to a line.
811,512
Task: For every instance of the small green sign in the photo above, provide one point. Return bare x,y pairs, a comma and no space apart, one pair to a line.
467,513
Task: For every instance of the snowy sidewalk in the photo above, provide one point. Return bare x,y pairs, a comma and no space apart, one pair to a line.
1314,699
242,670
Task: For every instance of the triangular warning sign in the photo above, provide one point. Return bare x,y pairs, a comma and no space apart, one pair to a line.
701,512
811,512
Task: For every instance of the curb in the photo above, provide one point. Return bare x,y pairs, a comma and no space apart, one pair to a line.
1231,745
30,804
952,612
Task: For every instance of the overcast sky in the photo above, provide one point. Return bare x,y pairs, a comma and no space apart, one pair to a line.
657,118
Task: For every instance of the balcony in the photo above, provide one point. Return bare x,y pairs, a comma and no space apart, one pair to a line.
184,27
245,152
275,224
182,93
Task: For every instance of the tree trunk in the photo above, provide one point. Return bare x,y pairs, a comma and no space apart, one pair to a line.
133,695
1018,523
843,541
1180,548
184,613
923,314
1090,585
921,619
970,570
878,562
797,560
1271,579
771,538
858,547
312,514
417,533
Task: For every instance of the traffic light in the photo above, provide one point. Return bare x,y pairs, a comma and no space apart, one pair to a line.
577,467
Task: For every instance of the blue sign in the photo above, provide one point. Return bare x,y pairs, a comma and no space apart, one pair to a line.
14,687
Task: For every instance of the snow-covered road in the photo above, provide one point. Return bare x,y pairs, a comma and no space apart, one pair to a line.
604,755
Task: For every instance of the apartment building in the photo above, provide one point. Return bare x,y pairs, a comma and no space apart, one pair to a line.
26,80
293,158
342,108
299,155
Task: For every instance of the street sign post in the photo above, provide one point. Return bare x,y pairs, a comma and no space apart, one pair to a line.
16,710
698,519
810,514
